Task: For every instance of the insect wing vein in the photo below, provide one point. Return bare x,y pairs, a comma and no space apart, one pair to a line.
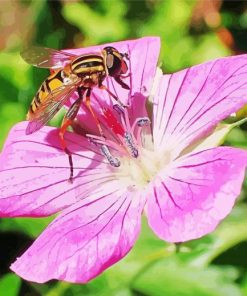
54,102
44,57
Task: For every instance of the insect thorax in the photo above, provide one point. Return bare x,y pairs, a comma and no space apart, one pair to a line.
87,64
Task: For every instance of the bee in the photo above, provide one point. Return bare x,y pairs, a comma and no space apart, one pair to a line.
71,73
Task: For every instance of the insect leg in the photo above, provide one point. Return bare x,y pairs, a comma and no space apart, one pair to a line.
88,104
114,161
122,76
112,95
67,121
120,81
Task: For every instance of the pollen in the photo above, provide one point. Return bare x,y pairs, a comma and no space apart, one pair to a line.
129,147
141,171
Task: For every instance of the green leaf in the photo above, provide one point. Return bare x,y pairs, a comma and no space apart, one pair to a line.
244,285
230,233
9,285
10,114
31,226
98,27
169,278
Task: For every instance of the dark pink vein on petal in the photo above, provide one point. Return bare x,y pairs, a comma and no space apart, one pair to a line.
164,102
89,203
77,187
130,71
30,180
81,226
57,147
210,98
175,101
144,67
188,183
212,106
195,99
158,204
96,235
50,167
90,222
170,196
202,163
73,188
63,215
182,139
50,184
192,155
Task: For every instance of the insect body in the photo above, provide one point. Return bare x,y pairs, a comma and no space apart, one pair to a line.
71,73
85,71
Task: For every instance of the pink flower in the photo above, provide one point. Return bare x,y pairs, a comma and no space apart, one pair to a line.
171,170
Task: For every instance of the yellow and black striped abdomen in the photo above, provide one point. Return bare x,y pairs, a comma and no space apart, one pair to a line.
53,82
88,64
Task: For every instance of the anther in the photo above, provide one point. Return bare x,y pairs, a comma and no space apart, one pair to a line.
130,144
115,162
94,138
143,121
118,109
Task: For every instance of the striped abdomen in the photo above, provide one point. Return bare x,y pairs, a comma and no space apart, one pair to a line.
52,82
87,64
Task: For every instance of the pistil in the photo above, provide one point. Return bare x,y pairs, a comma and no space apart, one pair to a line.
120,141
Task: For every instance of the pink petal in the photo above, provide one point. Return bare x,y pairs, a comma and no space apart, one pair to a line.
143,57
86,239
191,102
34,172
191,197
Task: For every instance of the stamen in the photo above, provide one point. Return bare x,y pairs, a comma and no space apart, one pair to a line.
130,143
114,161
112,122
101,140
140,122
121,133
118,109
126,118
121,111
143,121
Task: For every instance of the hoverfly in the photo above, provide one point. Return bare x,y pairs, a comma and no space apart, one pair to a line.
71,73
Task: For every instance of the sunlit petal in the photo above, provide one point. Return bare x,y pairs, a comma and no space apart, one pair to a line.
85,239
190,103
189,199
35,171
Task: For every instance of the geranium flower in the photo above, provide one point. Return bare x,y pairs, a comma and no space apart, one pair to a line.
170,168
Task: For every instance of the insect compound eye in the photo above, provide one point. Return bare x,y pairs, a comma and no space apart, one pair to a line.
109,49
113,61
109,60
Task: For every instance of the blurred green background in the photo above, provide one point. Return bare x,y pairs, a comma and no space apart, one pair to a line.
191,32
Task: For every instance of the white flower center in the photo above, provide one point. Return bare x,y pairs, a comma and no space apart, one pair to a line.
129,148
140,171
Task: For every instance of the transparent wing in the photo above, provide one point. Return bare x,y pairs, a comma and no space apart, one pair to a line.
44,57
47,110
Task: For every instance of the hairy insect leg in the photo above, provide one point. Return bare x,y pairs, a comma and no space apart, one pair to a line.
67,121
88,104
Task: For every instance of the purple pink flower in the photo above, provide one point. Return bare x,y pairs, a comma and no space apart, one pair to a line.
169,168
